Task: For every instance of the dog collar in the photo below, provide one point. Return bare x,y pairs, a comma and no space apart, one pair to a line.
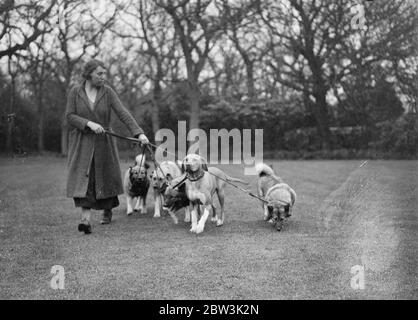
196,176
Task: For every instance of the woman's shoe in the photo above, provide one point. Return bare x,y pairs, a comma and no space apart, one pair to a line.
86,228
107,217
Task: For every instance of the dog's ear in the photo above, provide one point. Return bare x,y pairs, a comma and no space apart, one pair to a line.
204,164
292,195
183,166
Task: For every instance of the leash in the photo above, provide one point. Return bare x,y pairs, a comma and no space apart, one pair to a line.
149,145
138,142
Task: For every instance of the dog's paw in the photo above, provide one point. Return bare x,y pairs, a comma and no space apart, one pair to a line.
214,220
129,213
193,229
200,228
219,223
279,225
157,216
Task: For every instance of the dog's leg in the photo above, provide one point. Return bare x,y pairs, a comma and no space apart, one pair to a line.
143,205
187,217
202,221
214,215
266,212
137,202
193,210
129,209
221,218
140,206
173,216
157,211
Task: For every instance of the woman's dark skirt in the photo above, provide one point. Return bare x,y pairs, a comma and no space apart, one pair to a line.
90,201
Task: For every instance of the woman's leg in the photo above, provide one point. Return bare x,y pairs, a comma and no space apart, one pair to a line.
85,221
85,215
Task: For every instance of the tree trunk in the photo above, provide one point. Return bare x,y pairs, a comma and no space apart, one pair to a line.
249,66
11,122
194,96
156,108
9,141
321,117
41,113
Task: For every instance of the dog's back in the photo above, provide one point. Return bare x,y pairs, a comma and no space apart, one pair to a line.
267,178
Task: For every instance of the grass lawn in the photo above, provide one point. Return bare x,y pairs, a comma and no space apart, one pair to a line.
344,216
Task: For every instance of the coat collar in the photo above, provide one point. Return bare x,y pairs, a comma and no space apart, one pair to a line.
82,93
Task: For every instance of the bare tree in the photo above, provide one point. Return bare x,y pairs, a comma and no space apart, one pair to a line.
197,28
25,21
144,25
322,47
249,39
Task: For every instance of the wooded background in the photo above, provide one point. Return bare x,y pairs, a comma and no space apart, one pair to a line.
317,77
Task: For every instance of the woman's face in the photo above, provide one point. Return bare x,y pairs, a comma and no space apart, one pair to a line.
98,77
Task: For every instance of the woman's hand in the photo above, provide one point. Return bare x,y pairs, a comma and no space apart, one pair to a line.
143,139
95,127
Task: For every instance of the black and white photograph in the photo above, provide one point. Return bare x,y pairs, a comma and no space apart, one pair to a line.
218,152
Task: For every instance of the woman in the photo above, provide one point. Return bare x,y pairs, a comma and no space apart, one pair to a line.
94,176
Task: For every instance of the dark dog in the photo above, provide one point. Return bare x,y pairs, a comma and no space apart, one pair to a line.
136,185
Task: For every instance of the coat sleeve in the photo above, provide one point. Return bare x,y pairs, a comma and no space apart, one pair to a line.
72,117
123,114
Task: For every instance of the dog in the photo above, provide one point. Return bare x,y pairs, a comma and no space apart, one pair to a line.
161,177
280,197
175,197
136,185
201,185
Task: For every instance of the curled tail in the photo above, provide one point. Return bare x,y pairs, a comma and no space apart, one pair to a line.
264,170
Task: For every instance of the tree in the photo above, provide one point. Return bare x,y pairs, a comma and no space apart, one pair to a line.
24,21
323,48
153,43
243,28
197,29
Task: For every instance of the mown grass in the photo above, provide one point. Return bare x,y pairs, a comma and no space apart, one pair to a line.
344,216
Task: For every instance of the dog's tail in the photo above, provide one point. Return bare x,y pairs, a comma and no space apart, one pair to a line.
264,170
140,160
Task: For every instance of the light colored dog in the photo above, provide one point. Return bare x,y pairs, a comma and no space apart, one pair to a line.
281,198
160,179
136,185
201,185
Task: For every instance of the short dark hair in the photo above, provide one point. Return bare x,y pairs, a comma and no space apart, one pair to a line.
90,66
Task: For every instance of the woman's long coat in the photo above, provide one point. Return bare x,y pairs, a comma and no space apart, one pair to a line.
84,144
